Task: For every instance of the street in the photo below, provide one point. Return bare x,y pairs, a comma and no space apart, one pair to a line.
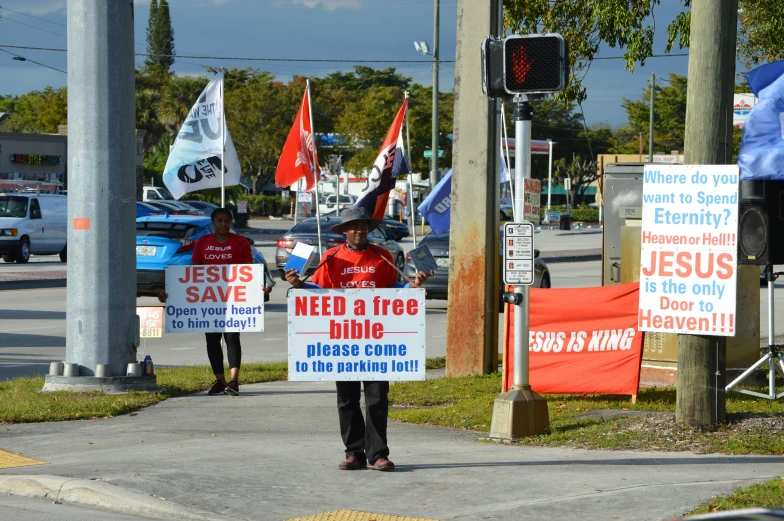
33,327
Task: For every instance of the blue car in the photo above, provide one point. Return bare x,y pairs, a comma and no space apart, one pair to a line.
144,209
167,240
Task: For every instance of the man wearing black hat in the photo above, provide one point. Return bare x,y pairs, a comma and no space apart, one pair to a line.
359,264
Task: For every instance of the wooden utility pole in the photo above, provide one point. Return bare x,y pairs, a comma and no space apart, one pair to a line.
472,315
708,141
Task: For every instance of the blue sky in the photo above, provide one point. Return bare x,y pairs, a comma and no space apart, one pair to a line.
307,29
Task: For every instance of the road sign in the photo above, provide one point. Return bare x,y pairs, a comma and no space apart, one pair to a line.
519,253
429,153
305,197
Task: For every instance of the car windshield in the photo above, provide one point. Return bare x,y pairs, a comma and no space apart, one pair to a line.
164,229
13,206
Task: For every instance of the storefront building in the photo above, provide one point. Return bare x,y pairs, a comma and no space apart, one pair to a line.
33,162
39,162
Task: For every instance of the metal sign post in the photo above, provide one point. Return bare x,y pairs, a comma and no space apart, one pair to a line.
520,412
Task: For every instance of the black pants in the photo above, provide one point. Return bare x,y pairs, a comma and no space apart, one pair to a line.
365,440
215,352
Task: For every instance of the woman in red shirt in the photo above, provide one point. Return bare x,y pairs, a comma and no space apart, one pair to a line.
223,247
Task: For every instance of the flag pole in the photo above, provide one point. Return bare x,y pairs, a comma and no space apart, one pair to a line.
410,180
315,169
506,160
223,144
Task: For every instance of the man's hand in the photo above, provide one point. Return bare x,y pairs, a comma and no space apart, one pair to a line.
420,278
162,296
266,289
293,278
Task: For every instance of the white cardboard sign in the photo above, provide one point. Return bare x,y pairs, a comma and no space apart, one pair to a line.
215,298
356,334
688,262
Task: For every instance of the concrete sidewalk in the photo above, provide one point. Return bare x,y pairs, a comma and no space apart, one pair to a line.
272,454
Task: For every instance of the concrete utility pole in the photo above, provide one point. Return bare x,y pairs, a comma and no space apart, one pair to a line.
472,316
435,128
650,119
708,141
101,314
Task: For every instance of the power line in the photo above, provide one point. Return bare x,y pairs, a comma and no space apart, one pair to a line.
240,58
31,16
22,58
31,26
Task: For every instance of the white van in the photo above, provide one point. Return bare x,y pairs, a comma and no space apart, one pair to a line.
156,193
32,224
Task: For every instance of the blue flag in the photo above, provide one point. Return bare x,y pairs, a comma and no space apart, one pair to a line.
762,146
438,205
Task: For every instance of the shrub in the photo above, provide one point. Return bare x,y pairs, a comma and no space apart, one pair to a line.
585,214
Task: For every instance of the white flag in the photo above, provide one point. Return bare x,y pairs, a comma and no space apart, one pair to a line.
194,162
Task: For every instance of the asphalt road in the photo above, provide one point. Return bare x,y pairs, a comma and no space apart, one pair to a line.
32,327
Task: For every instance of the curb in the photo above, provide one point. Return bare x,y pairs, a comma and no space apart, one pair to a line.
571,258
32,284
100,494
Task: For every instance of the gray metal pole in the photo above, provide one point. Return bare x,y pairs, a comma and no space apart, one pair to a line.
101,294
650,122
522,120
435,129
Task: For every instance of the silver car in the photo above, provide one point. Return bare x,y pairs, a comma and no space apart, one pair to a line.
438,286
306,232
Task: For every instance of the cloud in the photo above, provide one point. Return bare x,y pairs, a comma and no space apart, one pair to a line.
331,5
36,7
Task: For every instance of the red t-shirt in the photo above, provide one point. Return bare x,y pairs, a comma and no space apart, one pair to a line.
355,269
235,250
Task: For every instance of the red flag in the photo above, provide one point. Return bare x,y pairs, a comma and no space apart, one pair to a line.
299,153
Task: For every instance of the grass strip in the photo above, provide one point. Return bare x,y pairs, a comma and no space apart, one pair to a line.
596,421
765,495
22,402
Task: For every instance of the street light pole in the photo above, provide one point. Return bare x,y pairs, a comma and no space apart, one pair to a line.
434,144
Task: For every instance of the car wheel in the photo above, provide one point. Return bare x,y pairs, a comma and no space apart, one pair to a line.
8,258
64,254
24,252
545,281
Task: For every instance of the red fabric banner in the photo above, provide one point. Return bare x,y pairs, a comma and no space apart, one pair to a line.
582,341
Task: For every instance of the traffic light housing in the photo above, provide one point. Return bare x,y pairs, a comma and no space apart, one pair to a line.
529,64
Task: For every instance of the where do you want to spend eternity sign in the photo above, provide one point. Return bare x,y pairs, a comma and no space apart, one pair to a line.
688,262
356,334
215,298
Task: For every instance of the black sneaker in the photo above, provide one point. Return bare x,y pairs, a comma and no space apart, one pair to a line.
217,388
233,388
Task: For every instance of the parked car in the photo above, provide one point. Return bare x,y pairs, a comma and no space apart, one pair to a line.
203,206
507,212
167,240
144,209
307,232
399,229
173,208
331,203
438,286
156,193
33,224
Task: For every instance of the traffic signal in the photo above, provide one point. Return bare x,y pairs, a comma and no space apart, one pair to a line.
530,64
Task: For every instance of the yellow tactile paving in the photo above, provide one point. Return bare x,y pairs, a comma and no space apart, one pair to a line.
352,515
10,460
